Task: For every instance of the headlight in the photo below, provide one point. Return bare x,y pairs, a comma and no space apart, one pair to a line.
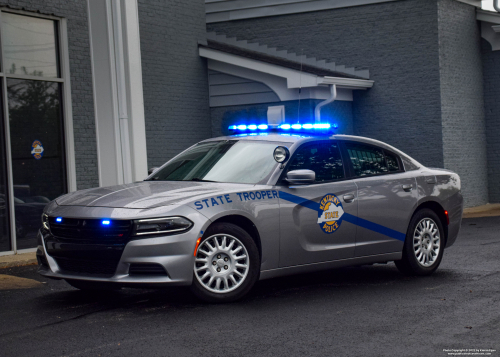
161,225
45,221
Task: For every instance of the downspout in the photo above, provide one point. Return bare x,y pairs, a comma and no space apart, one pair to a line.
496,5
333,96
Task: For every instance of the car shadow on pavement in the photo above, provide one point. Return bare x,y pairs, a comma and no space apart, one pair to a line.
343,281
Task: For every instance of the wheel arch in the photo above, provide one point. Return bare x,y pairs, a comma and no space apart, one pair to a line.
440,211
244,223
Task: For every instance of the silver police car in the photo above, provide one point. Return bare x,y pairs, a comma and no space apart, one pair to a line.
231,210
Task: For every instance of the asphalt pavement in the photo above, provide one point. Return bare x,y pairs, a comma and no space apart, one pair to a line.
359,311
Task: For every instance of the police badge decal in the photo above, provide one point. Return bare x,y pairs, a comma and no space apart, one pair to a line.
37,149
330,213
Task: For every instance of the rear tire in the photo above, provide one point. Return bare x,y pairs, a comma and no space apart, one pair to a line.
92,285
227,264
424,244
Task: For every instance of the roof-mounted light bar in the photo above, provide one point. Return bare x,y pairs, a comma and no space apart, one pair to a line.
251,127
316,127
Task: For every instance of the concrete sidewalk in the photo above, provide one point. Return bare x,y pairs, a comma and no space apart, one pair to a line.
8,261
488,210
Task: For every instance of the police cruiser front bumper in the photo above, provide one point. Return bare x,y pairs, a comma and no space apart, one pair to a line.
158,260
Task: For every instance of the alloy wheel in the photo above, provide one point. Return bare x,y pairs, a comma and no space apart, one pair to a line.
426,242
222,263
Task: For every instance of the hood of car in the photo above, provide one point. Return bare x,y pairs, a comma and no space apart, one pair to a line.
146,194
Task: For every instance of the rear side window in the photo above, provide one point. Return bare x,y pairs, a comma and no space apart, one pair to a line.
409,165
367,160
322,157
392,162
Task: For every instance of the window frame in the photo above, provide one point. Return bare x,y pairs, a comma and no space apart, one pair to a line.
281,181
62,58
384,151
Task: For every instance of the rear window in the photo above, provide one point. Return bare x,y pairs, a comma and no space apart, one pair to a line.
366,160
370,160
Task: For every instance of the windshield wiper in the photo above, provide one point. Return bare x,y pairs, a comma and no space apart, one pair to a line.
200,180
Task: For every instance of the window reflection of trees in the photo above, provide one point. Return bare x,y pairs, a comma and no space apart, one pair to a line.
35,114
34,110
392,162
367,160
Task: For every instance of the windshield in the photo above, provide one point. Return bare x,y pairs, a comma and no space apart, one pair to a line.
221,161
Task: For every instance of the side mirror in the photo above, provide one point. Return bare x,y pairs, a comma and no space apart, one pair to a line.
301,177
153,170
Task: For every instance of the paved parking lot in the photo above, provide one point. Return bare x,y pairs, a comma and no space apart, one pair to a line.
362,311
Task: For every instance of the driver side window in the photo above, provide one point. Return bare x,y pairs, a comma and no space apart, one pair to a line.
322,157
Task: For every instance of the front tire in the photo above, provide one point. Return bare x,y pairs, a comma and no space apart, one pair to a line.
424,244
227,264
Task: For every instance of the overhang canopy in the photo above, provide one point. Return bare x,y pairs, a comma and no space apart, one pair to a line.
490,27
284,73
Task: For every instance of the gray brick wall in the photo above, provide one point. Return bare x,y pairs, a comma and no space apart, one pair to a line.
462,104
339,112
491,75
397,41
175,78
75,11
424,56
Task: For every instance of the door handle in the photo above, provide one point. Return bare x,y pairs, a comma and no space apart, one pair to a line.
408,187
349,198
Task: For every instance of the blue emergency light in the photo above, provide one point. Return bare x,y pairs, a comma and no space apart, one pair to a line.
252,127
106,222
313,128
59,219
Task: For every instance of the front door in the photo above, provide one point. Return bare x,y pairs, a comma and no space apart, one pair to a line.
312,225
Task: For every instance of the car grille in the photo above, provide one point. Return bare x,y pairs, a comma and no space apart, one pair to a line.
104,268
146,269
91,230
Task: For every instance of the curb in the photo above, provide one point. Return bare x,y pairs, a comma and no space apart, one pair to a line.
487,210
19,260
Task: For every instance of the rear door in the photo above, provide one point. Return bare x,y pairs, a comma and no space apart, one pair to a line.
387,197
312,226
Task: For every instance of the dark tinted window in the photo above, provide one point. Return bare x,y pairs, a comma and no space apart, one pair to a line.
322,157
366,160
392,162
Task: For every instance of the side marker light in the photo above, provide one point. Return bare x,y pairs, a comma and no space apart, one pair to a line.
197,244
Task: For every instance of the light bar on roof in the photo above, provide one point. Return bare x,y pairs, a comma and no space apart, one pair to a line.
308,127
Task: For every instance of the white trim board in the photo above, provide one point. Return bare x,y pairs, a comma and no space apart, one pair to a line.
228,10
488,16
118,91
